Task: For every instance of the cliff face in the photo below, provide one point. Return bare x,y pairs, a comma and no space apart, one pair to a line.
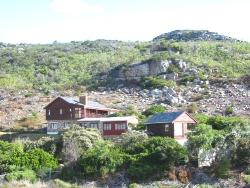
137,71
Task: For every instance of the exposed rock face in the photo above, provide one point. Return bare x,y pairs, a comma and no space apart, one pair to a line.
152,68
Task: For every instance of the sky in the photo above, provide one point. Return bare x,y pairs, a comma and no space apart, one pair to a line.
45,21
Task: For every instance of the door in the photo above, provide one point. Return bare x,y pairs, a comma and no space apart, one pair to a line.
178,129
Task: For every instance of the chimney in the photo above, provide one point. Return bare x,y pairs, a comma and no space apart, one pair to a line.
83,99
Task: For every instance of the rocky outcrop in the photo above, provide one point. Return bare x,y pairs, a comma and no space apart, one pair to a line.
193,35
137,71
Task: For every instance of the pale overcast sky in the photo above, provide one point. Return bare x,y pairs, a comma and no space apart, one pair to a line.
44,21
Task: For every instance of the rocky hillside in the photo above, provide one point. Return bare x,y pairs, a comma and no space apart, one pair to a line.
198,68
194,35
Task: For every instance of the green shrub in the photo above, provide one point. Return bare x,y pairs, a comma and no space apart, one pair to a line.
202,137
243,151
48,144
22,174
247,179
222,170
38,159
131,138
77,140
187,78
173,69
10,155
102,159
153,156
247,171
156,82
143,171
133,185
220,122
229,110
154,109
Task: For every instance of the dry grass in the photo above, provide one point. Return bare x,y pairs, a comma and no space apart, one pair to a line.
31,122
24,184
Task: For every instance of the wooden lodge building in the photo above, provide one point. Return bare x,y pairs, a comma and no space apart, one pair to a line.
172,124
63,112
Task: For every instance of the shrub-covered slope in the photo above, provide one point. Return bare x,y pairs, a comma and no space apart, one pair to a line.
74,64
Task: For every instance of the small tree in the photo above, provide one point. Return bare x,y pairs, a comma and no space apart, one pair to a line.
102,159
77,140
203,137
131,138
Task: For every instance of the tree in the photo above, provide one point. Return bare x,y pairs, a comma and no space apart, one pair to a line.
100,160
131,138
77,140
202,137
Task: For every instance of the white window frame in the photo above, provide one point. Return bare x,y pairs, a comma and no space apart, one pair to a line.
48,112
120,126
93,125
66,125
61,111
166,127
53,125
107,126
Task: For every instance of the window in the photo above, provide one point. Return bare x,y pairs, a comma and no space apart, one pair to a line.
120,126
107,126
48,112
166,128
61,111
93,125
77,112
67,124
53,125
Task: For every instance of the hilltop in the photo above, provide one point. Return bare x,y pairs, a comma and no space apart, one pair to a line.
194,35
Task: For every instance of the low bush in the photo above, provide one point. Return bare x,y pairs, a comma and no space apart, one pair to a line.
192,108
247,171
102,159
154,109
156,82
38,159
142,171
133,185
131,138
48,144
22,174
222,170
247,179
187,78
153,156
243,151
229,110
77,140
12,154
